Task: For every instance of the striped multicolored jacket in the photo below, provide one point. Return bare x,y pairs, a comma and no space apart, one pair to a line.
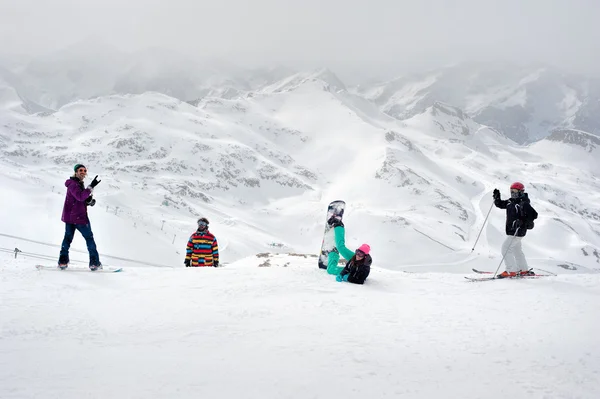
202,249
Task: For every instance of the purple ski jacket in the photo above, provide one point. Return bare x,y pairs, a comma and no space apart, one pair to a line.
75,208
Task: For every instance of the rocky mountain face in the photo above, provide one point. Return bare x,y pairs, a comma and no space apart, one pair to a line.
525,104
584,140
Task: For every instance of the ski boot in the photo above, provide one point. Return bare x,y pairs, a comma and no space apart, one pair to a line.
335,221
526,273
95,267
506,274
63,262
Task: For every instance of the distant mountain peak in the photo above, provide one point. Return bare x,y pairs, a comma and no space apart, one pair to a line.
440,107
324,76
446,119
576,137
327,76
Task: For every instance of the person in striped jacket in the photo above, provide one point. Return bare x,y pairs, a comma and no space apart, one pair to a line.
202,248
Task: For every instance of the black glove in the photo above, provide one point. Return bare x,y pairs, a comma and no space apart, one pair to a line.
216,263
187,262
95,182
90,201
496,194
335,222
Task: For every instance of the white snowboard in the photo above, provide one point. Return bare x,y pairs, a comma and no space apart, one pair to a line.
105,269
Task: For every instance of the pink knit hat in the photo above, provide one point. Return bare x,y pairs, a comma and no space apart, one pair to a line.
365,248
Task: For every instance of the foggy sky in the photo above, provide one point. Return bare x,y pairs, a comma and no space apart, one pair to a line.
376,35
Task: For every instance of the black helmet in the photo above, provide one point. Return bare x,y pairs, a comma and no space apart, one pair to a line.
203,221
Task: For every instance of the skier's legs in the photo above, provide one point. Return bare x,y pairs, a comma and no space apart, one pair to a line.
86,232
332,263
340,243
519,255
66,244
509,258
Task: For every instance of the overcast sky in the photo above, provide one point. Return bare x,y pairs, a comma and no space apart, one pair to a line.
376,35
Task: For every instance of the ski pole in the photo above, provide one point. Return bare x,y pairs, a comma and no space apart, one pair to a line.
546,271
507,249
480,231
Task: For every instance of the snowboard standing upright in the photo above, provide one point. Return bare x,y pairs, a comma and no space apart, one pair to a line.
336,208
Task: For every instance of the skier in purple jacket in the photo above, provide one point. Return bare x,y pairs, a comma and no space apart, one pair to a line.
76,218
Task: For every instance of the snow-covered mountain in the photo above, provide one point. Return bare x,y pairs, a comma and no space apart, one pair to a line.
525,104
264,166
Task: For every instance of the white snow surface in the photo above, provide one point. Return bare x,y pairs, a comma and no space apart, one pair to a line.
285,329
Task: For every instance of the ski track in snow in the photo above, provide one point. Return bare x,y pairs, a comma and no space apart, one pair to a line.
294,332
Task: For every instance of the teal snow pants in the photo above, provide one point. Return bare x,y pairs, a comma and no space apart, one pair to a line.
334,256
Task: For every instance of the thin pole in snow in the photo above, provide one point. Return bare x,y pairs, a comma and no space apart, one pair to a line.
480,231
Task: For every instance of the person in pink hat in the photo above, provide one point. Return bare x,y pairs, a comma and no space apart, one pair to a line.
358,267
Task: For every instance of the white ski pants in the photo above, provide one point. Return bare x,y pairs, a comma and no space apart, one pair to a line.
515,258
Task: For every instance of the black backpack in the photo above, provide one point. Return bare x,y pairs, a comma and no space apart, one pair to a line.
530,218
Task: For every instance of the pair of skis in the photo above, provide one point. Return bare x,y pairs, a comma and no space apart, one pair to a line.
491,277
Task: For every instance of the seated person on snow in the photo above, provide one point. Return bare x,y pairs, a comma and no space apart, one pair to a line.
202,248
358,267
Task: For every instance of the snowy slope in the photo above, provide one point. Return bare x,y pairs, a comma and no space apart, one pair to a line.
277,327
196,165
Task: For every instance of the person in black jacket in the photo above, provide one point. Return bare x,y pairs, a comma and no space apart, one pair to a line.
519,217
358,267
